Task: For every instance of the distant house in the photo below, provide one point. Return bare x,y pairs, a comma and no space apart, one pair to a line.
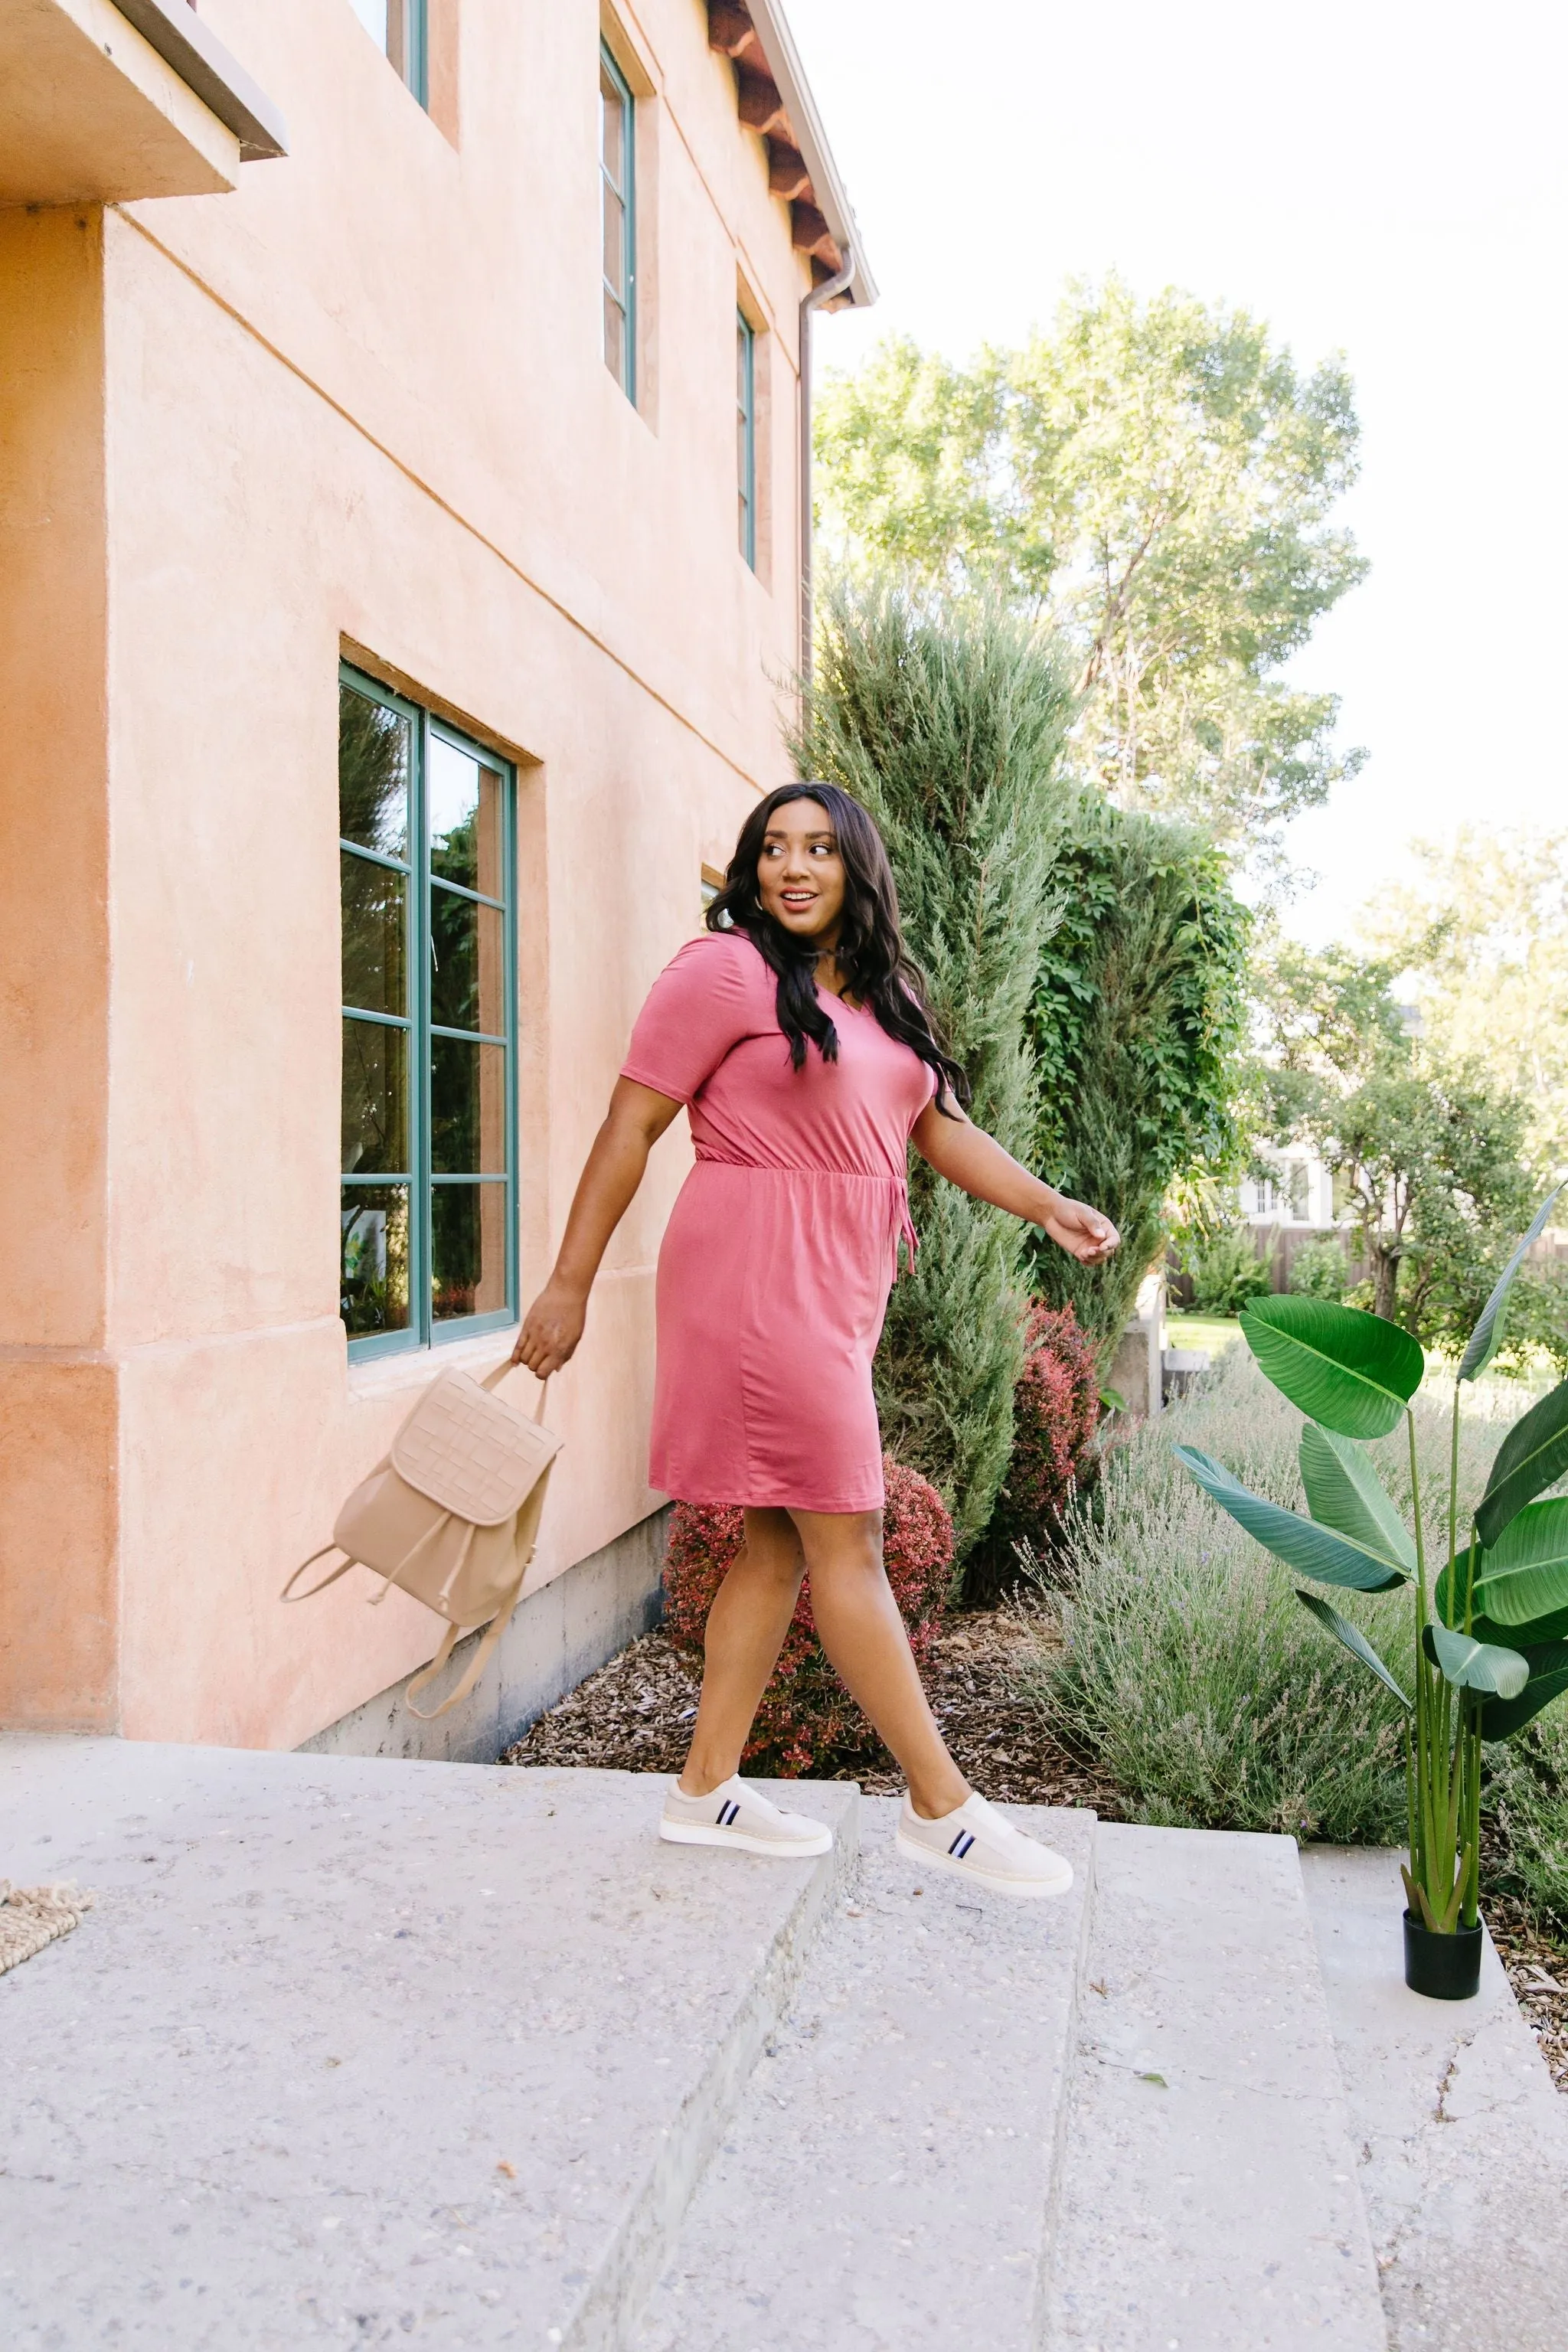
1296,1189
400,576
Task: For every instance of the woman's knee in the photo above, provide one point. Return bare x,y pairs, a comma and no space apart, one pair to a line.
771,1545
846,1545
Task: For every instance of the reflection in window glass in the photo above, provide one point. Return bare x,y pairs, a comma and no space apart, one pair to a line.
428,1024
373,1262
469,1240
467,964
619,219
372,774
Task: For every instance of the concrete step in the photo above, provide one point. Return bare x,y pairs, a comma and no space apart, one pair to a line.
1462,2139
888,2183
1208,2199
366,2052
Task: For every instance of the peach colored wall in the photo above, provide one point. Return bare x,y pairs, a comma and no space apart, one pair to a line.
360,405
58,1473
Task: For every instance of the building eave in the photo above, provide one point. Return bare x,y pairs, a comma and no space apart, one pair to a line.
775,100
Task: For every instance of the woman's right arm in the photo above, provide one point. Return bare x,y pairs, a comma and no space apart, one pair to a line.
553,1326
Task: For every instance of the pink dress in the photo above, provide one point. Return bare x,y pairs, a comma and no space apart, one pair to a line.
781,1250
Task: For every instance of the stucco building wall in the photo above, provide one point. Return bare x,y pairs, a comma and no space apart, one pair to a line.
357,407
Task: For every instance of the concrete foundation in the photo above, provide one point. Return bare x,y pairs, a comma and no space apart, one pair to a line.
557,1635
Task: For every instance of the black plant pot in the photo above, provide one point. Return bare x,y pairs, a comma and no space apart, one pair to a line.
1444,1967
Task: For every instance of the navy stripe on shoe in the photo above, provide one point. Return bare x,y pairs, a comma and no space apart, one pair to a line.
727,1813
962,1843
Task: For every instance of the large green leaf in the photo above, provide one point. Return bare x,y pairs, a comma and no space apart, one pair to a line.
1344,1491
1531,1457
1487,1336
1551,1627
1526,1575
1301,1543
1548,1662
1352,1637
1470,1664
1352,1371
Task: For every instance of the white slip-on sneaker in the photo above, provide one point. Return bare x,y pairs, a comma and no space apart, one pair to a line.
979,1843
738,1814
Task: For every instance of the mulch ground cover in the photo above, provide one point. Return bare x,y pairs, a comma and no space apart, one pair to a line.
634,1715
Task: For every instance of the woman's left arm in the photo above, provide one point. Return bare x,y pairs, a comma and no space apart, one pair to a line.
976,1163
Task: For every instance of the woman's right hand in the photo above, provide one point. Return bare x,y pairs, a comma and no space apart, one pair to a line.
551,1329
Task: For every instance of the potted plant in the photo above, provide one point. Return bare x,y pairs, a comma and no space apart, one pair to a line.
1488,1642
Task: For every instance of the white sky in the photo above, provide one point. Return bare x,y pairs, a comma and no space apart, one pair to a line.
1376,178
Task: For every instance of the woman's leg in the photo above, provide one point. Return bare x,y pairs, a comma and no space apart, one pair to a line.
746,1627
860,1627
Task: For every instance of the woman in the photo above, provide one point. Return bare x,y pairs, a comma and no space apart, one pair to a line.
794,1036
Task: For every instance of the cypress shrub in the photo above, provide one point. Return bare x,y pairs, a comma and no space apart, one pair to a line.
947,722
1137,1024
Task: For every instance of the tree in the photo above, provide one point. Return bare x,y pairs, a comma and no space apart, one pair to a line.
1137,1024
1482,935
1158,481
948,724
1429,1150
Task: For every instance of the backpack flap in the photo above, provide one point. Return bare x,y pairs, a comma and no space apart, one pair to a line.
471,1453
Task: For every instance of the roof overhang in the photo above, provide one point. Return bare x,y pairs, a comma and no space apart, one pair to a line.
774,98
104,103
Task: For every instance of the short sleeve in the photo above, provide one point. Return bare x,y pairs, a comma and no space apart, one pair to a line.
702,1003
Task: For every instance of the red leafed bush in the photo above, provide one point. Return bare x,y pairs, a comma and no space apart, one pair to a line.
1056,1413
807,1717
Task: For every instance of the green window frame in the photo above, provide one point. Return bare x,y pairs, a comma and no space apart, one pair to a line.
427,866
400,31
619,221
746,432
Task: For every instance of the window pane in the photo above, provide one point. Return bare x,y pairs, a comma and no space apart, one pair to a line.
376,935
468,1107
612,129
374,1278
615,340
467,964
615,229
468,1259
372,773
464,801
375,1099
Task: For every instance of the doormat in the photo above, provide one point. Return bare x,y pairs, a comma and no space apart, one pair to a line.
32,1917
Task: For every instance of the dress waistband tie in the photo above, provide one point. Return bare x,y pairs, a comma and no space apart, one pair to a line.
903,1229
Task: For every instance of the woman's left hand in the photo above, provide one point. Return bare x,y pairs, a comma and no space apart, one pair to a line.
1082,1232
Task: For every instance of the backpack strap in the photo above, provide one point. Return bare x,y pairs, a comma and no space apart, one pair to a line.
436,1527
493,1380
288,1592
475,1664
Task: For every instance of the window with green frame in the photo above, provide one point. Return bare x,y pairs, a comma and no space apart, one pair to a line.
427,825
619,221
399,30
746,432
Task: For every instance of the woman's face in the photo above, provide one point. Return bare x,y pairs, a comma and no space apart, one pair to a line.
800,874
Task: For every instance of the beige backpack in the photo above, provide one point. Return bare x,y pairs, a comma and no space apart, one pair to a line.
450,1514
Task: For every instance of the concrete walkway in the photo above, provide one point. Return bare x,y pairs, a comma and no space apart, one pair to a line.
376,2052
368,2052
1461,2137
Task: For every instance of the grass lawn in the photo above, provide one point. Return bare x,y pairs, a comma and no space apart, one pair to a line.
1208,1334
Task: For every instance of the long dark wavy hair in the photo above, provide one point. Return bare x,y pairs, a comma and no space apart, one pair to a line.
872,952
